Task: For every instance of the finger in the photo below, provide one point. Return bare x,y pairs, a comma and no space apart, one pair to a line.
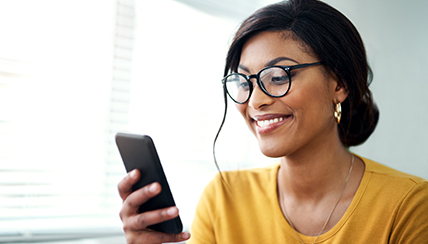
125,185
133,202
141,221
159,237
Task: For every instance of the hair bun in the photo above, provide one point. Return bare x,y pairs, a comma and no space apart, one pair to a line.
356,128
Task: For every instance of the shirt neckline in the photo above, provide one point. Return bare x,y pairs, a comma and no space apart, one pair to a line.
333,231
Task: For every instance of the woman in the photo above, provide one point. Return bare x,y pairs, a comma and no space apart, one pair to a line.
298,74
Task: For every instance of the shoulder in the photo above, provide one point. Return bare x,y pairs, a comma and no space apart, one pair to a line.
228,199
232,186
238,179
389,187
402,198
385,173
253,173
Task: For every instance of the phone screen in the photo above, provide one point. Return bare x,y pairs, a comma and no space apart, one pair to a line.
139,152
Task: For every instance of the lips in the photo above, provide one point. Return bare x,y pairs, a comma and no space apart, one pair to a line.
268,123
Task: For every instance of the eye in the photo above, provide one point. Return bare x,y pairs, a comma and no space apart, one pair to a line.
244,86
237,87
236,81
274,76
279,79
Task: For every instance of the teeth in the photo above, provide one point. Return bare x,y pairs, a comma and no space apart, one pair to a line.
263,123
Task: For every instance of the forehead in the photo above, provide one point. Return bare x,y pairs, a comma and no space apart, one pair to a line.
264,47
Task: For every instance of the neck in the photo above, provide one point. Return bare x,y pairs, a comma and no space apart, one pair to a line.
312,175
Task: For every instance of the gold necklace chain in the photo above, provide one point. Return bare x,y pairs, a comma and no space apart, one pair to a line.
332,210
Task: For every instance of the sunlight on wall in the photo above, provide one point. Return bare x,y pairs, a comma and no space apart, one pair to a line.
54,94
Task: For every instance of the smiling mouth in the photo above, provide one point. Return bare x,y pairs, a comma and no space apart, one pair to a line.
268,122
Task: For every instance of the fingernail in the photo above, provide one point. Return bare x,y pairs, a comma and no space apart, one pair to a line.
153,188
172,211
133,173
185,235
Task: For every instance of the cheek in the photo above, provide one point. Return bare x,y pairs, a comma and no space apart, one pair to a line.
242,108
320,114
313,104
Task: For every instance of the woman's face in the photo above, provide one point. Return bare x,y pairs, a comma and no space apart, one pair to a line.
302,119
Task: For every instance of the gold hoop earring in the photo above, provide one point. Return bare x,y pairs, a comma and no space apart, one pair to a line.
338,112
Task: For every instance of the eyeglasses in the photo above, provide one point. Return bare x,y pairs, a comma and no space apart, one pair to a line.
274,81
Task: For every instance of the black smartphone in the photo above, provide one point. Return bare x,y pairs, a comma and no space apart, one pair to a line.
139,152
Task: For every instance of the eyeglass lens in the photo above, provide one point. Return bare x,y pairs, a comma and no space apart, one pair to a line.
274,81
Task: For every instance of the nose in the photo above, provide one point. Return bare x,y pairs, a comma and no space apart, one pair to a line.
258,98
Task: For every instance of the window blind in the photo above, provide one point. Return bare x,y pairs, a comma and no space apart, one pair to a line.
59,107
120,99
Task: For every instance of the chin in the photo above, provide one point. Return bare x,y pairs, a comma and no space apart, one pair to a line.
272,151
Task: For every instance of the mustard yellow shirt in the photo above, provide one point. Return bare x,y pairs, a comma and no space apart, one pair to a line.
388,207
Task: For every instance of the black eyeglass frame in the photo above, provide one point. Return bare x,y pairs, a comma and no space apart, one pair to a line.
287,69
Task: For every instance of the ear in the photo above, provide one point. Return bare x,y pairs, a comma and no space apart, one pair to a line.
339,90
340,93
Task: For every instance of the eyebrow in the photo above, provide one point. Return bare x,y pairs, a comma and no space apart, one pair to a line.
279,59
270,63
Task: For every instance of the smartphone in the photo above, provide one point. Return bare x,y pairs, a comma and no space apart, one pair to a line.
139,152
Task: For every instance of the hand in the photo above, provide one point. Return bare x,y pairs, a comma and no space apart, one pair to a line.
135,223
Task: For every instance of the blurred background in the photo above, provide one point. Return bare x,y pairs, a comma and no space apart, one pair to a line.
74,73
